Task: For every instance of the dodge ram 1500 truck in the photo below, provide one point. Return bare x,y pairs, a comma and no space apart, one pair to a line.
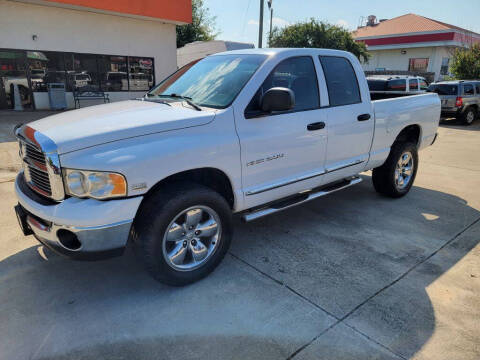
249,131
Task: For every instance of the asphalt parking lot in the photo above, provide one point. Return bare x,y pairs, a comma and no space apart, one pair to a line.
349,276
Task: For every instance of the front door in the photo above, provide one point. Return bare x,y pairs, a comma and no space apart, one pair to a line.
283,153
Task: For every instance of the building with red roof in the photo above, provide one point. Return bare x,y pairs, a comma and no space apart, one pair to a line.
412,43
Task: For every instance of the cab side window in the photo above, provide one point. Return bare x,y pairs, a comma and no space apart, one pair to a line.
397,85
341,81
413,84
297,74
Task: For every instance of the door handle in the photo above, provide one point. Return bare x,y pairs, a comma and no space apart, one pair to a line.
363,117
316,126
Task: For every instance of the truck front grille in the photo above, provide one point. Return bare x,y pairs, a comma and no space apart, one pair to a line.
41,163
34,154
40,180
35,169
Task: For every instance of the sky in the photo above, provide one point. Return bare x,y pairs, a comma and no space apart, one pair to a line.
237,20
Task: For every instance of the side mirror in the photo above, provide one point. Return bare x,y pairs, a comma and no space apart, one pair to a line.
277,99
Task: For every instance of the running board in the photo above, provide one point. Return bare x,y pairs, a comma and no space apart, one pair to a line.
299,199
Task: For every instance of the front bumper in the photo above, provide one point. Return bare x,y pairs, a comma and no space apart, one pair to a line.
83,229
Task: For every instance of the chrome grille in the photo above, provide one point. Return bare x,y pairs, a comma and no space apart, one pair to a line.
41,163
34,154
36,173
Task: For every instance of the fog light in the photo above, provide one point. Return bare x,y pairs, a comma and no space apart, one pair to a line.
68,239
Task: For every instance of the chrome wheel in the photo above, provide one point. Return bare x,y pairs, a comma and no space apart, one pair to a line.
191,238
404,170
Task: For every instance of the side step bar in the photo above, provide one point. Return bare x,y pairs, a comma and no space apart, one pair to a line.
300,199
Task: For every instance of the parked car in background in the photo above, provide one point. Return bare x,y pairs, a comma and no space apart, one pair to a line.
250,131
140,81
460,99
78,80
116,81
387,86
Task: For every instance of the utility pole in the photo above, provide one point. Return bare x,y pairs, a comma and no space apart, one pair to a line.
260,30
271,19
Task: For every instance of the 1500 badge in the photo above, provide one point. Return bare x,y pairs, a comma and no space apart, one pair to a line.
268,158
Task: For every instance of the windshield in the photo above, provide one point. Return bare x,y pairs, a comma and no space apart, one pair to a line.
444,89
212,82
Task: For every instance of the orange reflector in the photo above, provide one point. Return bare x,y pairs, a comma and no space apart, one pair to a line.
119,184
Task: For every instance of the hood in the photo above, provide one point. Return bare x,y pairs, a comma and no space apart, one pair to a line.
95,125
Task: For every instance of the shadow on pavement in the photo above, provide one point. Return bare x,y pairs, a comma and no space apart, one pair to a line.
336,252
458,125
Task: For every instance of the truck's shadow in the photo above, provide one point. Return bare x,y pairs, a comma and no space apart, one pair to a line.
61,309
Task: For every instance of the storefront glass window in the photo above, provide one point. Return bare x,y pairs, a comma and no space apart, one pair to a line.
13,72
45,67
141,73
85,73
113,74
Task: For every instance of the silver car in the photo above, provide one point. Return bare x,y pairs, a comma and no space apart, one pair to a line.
460,99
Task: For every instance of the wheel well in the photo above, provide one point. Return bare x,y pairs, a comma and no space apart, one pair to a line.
212,178
409,134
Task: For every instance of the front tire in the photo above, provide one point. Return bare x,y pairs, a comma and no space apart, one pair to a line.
182,233
396,176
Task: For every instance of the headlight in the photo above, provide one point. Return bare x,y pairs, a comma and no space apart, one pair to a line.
94,184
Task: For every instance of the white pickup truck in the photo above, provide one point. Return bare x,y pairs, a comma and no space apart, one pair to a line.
249,131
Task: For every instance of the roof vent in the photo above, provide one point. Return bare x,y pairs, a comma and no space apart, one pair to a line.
382,20
371,20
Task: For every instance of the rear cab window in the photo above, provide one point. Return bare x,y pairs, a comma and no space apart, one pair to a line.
342,83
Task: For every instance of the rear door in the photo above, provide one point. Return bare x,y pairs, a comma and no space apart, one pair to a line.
350,118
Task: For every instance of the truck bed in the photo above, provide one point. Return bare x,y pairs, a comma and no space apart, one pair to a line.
394,114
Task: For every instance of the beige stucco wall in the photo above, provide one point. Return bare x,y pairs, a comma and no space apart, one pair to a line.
395,60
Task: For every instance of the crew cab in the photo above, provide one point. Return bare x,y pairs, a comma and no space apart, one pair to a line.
251,132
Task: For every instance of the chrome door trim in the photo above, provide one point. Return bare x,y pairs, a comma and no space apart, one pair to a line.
277,185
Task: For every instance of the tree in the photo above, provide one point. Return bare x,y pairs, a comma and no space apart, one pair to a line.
317,34
466,63
202,27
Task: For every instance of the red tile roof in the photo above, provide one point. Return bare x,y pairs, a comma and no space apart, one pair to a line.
409,23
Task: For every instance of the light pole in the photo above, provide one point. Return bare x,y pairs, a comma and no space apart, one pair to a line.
271,19
260,29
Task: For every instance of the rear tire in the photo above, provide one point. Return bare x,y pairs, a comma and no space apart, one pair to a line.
468,116
396,176
182,232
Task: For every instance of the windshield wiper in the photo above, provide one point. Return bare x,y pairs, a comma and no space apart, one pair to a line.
149,99
187,99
